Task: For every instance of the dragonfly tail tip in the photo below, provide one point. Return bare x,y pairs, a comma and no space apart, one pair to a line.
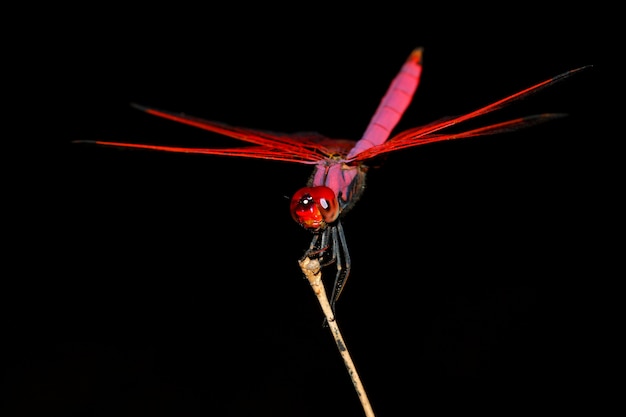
416,55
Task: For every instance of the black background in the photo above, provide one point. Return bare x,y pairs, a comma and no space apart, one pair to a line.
152,283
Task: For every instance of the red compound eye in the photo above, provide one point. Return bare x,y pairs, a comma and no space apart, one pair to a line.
314,207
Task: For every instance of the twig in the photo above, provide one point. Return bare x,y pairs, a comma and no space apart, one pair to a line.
312,271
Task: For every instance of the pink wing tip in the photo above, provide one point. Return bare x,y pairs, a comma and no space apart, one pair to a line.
416,56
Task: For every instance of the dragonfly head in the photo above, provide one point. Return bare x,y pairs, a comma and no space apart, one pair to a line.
314,207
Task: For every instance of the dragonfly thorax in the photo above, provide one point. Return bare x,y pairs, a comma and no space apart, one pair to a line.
346,181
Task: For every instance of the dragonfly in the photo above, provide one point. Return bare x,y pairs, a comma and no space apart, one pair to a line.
340,165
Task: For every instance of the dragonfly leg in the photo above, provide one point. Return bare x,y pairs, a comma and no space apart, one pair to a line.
312,250
318,249
342,256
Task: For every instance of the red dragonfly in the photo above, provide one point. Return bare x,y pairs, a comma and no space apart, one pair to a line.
338,178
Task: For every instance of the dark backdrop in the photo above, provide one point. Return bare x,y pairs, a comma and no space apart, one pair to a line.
151,283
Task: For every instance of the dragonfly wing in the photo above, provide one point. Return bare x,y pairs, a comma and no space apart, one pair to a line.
254,152
303,148
393,104
255,136
430,133
409,139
